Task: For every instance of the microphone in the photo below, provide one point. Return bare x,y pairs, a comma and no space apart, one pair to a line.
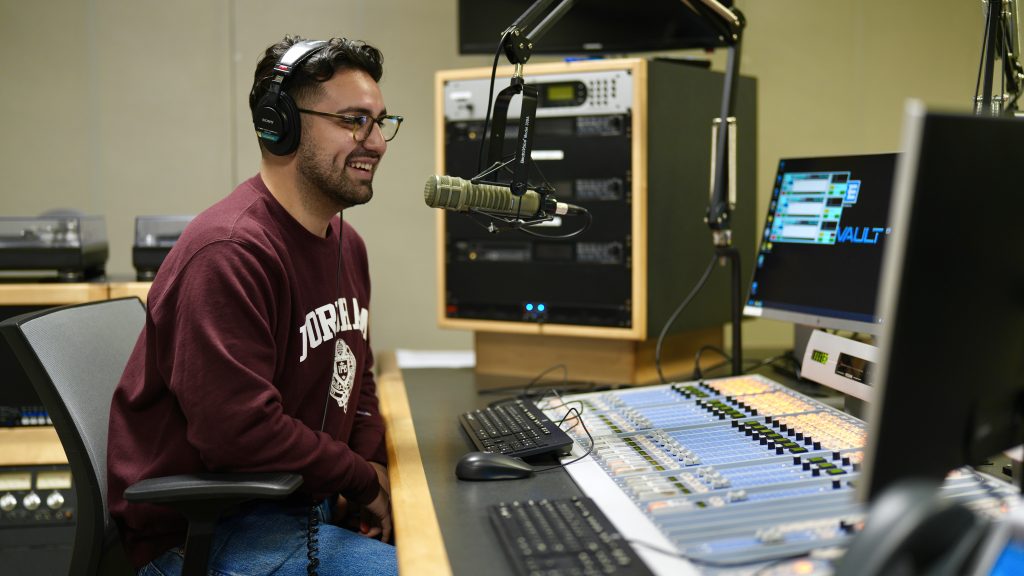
453,193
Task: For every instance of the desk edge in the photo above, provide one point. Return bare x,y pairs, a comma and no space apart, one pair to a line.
420,547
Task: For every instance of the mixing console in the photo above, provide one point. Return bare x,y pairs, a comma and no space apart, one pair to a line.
732,473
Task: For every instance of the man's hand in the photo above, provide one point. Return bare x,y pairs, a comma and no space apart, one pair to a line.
376,517
382,476
372,520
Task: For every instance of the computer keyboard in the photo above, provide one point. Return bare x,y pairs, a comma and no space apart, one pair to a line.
516,428
564,536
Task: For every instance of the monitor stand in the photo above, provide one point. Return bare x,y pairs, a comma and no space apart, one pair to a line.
843,364
801,336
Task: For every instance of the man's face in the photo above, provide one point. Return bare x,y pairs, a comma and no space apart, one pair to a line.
329,160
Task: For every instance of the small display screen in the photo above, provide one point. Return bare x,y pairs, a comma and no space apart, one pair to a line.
16,481
560,93
53,480
855,368
819,357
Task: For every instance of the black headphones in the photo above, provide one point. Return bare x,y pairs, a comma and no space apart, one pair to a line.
275,116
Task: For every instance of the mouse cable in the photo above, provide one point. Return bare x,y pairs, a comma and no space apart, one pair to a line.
567,404
536,379
561,403
585,454
526,392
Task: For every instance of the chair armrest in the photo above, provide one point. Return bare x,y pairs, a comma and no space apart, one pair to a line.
202,498
185,487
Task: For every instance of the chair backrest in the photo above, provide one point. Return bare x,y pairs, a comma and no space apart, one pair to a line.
74,357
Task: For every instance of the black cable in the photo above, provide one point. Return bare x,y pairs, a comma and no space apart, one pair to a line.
312,542
573,234
337,284
562,404
312,525
769,361
480,162
579,418
490,97
697,373
700,374
661,337
516,224
524,391
568,405
565,377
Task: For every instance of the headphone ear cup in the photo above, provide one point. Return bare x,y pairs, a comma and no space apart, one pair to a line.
290,123
278,115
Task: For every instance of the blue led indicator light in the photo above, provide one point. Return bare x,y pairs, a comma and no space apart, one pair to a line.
540,307
529,307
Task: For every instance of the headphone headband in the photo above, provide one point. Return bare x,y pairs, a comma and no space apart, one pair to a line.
297,54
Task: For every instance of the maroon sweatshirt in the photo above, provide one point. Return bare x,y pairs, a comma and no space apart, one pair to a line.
248,337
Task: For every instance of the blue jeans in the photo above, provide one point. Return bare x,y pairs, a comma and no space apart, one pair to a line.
268,538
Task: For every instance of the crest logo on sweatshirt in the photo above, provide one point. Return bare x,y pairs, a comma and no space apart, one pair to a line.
344,373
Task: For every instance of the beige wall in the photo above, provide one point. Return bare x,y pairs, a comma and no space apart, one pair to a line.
129,107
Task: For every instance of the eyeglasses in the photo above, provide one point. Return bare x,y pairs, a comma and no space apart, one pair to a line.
362,124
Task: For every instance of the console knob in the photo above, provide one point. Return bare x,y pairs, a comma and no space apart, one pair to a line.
8,502
31,501
55,500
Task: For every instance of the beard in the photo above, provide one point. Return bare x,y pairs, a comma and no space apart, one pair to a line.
328,181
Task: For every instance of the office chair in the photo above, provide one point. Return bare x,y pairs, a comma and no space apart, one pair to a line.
74,356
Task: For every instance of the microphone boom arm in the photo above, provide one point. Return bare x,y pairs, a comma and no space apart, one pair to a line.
1000,43
517,44
729,24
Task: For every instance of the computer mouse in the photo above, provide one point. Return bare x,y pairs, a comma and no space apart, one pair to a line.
491,466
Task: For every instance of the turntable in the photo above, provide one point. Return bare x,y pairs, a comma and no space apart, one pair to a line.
154,238
73,247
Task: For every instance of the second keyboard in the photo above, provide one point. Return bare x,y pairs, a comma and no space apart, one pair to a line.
516,428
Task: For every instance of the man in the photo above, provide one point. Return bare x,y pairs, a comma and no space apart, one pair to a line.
255,354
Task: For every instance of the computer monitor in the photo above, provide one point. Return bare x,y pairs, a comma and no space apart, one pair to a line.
820,253
590,27
950,381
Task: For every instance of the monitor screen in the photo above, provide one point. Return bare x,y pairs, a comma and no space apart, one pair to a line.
820,253
589,27
949,389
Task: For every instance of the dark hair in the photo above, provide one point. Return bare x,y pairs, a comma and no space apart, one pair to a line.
340,54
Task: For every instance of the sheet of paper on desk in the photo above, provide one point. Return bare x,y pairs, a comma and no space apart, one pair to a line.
435,358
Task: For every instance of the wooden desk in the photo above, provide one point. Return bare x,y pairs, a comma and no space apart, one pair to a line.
56,294
52,293
125,289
